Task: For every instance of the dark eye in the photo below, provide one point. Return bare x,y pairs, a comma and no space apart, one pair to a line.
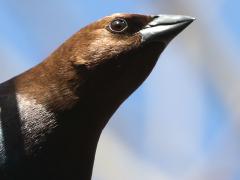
118,25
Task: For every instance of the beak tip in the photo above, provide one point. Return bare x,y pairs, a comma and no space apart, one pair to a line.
180,18
191,18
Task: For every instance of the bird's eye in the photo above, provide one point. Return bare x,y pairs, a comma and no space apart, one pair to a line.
118,25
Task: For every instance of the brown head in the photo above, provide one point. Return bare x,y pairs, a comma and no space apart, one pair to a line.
105,61
119,51
119,34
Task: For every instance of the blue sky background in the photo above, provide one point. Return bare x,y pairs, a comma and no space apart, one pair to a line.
183,122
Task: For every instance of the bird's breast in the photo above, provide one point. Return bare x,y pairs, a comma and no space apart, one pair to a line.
36,121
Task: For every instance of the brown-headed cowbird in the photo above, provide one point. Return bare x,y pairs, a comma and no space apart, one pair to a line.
53,114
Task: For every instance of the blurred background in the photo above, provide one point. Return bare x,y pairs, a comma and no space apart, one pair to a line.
183,123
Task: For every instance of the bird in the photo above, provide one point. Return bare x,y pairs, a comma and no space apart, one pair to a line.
52,115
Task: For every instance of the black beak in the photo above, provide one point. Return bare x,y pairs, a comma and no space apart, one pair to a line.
163,28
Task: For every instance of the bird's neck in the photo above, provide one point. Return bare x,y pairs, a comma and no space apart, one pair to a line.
81,110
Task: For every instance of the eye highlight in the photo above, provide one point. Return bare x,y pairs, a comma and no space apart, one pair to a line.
118,25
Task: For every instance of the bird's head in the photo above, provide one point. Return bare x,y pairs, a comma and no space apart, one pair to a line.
119,34
120,50
115,54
